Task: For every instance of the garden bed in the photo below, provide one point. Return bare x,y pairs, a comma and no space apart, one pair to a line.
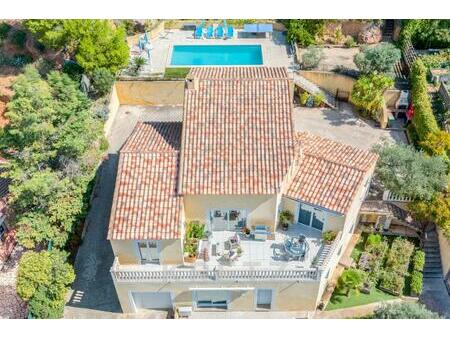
389,266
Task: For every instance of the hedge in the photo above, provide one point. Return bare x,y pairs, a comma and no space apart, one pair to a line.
416,282
419,260
423,118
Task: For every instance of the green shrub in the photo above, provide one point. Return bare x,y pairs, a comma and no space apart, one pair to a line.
285,217
312,57
392,282
318,99
373,240
399,255
419,260
404,311
350,42
367,93
136,65
423,119
18,38
102,81
73,69
4,30
416,282
329,236
20,60
42,280
379,59
304,96
304,32
438,60
195,229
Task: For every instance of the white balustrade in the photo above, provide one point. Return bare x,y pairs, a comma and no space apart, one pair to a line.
143,273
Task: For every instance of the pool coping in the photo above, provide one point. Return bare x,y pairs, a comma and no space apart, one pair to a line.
169,55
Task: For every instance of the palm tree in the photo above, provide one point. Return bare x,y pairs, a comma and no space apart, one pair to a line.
351,279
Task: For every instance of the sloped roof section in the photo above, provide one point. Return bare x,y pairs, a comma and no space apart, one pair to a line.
328,173
146,204
237,131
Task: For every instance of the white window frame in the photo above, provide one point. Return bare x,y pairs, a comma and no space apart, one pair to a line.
147,242
313,211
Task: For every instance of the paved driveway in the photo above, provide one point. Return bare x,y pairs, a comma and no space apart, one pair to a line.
343,125
93,294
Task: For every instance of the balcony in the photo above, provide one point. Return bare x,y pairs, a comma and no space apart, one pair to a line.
168,273
256,263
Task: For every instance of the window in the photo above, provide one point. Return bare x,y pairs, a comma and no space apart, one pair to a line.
149,251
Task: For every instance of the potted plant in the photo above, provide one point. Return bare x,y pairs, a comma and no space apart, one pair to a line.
329,236
247,232
190,251
285,218
239,251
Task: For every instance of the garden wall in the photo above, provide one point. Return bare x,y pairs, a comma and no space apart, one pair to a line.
113,107
444,246
329,81
150,93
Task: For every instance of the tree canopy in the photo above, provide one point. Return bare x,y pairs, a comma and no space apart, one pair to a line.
53,144
411,173
42,280
379,59
367,93
93,43
404,311
304,31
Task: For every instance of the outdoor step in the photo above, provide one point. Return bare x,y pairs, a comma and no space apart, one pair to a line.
434,275
312,88
432,260
432,270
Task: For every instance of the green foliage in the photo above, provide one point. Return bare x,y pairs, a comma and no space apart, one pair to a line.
318,99
285,217
437,144
137,63
419,260
423,118
53,145
373,240
176,72
102,80
329,236
438,60
304,96
416,282
73,69
42,280
304,31
404,311
426,33
397,263
93,43
350,42
195,229
367,93
4,30
18,38
379,59
410,173
351,279
312,57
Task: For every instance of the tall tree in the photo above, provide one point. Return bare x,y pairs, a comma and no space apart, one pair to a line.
42,280
411,173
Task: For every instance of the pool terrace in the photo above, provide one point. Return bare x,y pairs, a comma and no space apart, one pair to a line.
275,49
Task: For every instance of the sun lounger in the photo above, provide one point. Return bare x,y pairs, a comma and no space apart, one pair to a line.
230,32
219,32
198,34
210,32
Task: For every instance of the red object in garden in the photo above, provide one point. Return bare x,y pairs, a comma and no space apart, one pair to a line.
410,112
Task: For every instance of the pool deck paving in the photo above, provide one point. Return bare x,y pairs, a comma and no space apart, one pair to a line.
275,49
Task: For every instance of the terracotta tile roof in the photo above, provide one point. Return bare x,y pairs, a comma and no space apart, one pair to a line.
237,131
328,173
146,204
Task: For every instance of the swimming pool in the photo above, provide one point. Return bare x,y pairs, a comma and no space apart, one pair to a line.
216,55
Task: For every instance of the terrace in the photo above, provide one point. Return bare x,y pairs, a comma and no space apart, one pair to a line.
275,49
256,262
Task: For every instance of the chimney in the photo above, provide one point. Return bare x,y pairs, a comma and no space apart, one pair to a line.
191,82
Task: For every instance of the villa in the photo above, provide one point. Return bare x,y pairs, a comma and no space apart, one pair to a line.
234,164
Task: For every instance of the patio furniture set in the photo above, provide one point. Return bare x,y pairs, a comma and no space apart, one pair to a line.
222,31
293,248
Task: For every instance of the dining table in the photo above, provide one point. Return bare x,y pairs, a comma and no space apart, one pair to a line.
295,246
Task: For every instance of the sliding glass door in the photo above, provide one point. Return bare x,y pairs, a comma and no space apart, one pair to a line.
311,217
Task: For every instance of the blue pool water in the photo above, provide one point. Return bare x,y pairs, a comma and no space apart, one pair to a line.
216,55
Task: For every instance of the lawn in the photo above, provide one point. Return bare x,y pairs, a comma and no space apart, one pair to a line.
176,73
340,301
